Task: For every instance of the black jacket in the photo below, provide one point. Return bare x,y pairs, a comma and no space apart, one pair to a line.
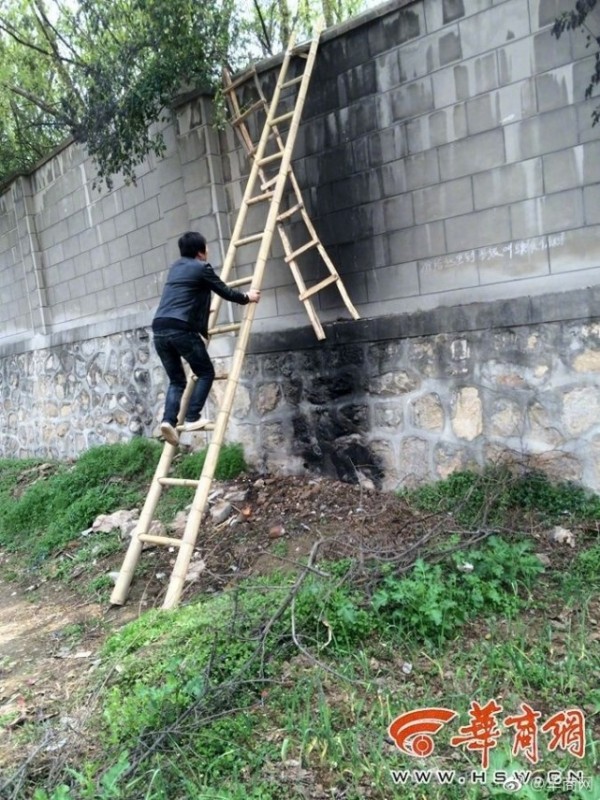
186,295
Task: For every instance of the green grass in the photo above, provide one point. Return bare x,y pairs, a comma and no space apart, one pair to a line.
55,509
232,716
488,498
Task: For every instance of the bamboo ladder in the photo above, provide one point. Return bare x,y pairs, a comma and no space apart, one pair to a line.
239,118
271,190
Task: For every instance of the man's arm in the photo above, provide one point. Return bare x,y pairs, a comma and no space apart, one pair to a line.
224,291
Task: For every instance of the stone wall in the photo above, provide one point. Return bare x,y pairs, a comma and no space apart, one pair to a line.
57,402
447,159
396,404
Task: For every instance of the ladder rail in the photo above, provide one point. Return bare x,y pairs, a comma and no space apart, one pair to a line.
197,511
305,294
272,190
134,550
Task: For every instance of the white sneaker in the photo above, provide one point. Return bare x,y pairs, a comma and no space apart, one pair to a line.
169,433
196,426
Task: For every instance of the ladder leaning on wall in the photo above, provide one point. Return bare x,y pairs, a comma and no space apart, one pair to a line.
271,190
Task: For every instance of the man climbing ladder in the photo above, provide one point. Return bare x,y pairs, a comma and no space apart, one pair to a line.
272,152
180,326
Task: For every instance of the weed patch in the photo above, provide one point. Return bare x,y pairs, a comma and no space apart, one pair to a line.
56,508
489,498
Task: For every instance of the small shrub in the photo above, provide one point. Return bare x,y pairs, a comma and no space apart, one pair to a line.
487,498
434,600
229,465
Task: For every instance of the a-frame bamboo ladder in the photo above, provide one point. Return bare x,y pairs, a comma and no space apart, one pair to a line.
272,191
239,118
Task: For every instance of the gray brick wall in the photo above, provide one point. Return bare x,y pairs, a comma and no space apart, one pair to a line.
446,155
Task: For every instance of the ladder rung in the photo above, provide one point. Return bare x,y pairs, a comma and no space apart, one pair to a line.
300,250
269,159
270,182
254,107
166,540
240,282
208,426
281,118
260,197
178,482
249,239
233,326
241,80
289,212
317,288
292,82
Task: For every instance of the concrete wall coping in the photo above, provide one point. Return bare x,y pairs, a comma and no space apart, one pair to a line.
579,305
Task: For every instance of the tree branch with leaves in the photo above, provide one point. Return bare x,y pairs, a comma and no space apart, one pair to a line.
579,19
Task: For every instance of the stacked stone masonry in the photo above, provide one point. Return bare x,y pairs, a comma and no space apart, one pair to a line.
448,160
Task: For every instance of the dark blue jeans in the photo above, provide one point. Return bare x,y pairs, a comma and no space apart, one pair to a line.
172,346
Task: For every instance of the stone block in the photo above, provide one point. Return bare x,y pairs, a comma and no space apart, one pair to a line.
358,82
125,223
506,419
396,28
448,458
393,178
412,99
428,412
581,410
449,47
172,195
587,361
544,12
467,413
548,214
75,224
474,154
555,89
443,200
478,229
542,423
421,241
384,147
421,169
118,249
147,212
508,104
558,465
399,280
192,147
550,52
508,184
500,24
414,462
200,202
439,14
554,130
356,286
565,169
448,125
359,118
591,198
398,213
588,132
575,250
447,273
513,261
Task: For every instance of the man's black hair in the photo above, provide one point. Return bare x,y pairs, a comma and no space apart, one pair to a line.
191,243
